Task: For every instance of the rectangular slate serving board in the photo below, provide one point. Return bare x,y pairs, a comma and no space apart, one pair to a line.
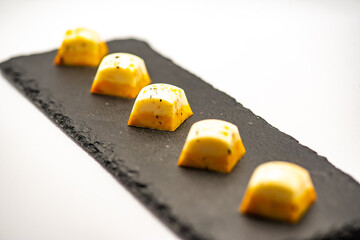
193,203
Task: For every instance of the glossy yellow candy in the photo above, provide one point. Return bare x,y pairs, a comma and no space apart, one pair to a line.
81,47
279,190
212,144
121,75
160,106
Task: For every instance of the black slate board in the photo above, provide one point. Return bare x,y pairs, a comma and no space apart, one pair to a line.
195,204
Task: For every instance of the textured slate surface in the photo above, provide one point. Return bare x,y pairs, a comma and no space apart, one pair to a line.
195,204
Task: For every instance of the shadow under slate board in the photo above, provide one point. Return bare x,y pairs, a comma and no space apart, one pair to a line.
193,203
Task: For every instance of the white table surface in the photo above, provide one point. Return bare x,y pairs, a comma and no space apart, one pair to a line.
294,63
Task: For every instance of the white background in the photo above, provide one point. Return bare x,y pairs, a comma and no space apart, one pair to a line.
294,63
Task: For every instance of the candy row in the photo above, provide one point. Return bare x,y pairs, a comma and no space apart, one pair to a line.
278,190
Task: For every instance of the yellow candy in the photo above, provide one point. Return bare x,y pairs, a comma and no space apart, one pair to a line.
160,106
81,47
212,144
121,75
279,190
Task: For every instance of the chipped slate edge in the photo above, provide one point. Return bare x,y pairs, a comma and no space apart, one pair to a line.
350,231
101,151
104,154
